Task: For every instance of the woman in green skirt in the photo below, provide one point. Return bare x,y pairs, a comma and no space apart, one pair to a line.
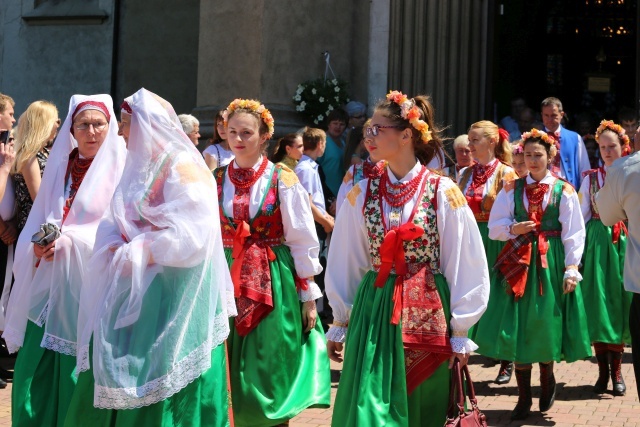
277,350
406,277
481,183
605,298
82,172
153,323
543,319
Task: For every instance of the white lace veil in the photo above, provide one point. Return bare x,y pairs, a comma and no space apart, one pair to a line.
49,295
159,305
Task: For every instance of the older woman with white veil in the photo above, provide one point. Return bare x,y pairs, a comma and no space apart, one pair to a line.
83,169
157,314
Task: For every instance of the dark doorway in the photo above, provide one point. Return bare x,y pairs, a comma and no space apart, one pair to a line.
581,51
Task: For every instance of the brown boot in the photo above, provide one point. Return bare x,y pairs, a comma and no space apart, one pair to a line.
547,386
602,356
523,407
619,387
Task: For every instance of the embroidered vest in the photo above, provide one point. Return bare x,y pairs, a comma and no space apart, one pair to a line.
550,218
482,211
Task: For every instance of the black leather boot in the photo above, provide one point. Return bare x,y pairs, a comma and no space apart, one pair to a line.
547,386
619,387
602,356
523,407
504,375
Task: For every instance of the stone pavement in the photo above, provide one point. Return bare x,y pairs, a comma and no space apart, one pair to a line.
575,406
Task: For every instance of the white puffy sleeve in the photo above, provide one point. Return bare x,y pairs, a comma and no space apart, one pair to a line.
345,187
583,156
348,261
502,216
300,232
463,263
573,232
584,197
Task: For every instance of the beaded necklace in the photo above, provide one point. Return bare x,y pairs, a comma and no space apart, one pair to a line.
245,177
399,194
481,175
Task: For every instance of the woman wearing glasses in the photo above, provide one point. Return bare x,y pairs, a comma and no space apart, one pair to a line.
82,171
37,128
395,271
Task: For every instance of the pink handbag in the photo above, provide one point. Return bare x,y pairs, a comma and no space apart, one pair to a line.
473,418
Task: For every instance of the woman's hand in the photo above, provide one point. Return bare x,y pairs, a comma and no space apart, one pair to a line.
334,350
570,284
523,227
464,359
329,224
45,252
309,315
10,233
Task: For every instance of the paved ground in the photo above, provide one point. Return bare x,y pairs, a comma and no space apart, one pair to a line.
575,405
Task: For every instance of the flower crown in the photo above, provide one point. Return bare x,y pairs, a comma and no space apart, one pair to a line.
617,129
410,111
535,133
517,148
251,105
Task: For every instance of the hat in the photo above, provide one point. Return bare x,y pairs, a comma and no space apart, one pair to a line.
355,108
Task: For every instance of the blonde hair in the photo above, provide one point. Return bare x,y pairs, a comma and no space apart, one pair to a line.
490,130
34,129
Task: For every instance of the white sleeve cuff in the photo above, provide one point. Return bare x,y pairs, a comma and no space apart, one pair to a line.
232,311
462,345
312,293
336,333
572,273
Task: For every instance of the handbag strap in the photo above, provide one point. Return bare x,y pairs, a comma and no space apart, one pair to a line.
471,392
456,390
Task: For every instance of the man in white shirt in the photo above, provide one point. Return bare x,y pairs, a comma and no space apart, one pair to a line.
572,159
618,200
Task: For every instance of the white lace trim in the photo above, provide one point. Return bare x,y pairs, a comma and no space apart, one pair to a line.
59,345
14,339
42,318
572,273
185,372
312,293
82,359
232,310
462,345
336,333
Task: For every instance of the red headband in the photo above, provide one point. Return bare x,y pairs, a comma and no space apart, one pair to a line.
98,106
126,107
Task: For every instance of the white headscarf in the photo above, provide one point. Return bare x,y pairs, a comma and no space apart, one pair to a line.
163,227
49,294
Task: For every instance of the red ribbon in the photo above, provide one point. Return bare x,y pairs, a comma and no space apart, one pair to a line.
616,230
239,249
392,254
301,284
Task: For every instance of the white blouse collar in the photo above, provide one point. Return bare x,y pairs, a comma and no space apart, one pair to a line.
548,179
408,177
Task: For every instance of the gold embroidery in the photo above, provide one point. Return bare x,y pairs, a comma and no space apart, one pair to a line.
460,334
509,185
580,197
455,198
353,194
340,324
568,188
348,176
571,267
288,177
191,172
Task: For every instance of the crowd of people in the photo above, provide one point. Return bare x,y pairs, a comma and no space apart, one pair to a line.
152,284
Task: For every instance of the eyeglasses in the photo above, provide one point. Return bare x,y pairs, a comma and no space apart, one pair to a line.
375,129
98,127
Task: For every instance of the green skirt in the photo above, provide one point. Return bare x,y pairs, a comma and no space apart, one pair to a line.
605,298
42,384
373,388
277,370
203,402
492,249
536,328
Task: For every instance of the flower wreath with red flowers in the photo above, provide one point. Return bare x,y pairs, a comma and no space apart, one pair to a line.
535,133
410,111
251,105
615,128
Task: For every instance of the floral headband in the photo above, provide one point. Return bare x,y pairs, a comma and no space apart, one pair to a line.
615,128
535,133
517,148
409,111
252,105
